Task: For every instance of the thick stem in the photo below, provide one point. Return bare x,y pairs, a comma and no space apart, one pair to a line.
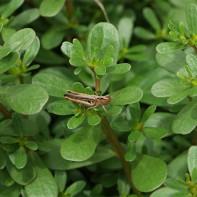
5,112
114,142
103,10
97,82
70,8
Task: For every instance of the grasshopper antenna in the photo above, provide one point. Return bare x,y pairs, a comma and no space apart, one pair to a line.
114,95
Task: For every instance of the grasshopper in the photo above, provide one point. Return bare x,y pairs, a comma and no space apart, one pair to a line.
90,101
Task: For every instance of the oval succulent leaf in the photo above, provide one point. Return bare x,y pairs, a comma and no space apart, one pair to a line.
81,145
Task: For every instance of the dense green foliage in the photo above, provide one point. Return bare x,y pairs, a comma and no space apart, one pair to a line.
142,143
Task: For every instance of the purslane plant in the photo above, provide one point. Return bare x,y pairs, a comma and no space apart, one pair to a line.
53,147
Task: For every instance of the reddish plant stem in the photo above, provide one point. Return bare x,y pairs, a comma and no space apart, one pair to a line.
97,82
5,112
114,142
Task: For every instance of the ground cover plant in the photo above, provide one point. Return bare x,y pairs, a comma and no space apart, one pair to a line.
98,102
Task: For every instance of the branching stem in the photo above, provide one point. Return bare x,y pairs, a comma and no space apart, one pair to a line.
114,142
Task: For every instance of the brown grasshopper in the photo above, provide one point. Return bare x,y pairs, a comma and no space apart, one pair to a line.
90,101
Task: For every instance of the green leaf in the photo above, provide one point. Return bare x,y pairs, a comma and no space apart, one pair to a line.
131,152
31,52
7,33
120,124
8,62
54,160
123,187
12,191
127,96
100,70
115,110
94,119
75,121
151,18
24,98
77,71
119,68
192,159
8,140
107,60
161,120
31,145
53,37
60,178
5,123
136,49
172,62
82,144
25,17
33,67
134,111
75,188
10,7
44,183
133,136
3,158
77,60
191,16
54,85
77,46
95,42
24,36
61,107
193,91
178,166
144,33
155,133
101,36
67,48
192,63
49,8
125,28
5,178
20,158
175,184
149,173
148,112
1,26
169,47
168,87
21,176
186,120
164,192
176,98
